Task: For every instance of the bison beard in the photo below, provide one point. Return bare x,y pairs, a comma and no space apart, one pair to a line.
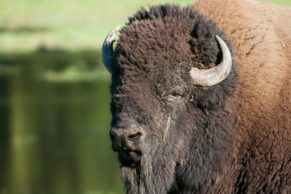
178,165
156,171
153,175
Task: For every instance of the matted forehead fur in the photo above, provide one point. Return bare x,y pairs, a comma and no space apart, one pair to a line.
169,35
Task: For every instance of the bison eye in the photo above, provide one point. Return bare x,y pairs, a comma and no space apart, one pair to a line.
171,98
177,91
174,94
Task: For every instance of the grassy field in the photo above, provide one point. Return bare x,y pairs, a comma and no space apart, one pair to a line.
70,24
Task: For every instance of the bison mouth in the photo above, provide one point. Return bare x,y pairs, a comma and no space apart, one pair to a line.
128,158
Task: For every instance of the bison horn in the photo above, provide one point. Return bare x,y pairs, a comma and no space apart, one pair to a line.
214,75
107,48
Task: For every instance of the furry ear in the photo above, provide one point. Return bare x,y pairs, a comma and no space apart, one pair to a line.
211,99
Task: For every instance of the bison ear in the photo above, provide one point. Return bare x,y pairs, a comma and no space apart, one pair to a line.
211,99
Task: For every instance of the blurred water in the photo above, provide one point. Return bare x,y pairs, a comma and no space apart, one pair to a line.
54,135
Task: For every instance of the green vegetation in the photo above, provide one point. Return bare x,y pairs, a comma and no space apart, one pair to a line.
279,2
28,24
57,65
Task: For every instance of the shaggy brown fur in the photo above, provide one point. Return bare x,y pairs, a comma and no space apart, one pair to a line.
234,137
261,37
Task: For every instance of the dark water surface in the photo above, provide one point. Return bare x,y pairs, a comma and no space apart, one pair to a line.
54,122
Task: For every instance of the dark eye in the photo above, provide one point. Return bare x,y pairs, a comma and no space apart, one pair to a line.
171,98
177,91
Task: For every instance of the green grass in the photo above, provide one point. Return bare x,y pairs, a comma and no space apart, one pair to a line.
69,24
279,2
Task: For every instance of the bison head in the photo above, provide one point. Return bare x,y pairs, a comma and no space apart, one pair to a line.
173,78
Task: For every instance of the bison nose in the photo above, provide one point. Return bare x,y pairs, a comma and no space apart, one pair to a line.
126,139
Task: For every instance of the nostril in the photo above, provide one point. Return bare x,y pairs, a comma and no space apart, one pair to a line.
134,136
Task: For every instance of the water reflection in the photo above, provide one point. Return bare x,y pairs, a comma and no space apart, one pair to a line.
53,132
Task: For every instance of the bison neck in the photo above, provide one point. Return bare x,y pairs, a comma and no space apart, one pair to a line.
261,37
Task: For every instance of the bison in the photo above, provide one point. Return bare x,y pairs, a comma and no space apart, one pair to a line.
201,98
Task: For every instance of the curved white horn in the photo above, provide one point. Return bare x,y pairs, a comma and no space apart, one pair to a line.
107,48
214,75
